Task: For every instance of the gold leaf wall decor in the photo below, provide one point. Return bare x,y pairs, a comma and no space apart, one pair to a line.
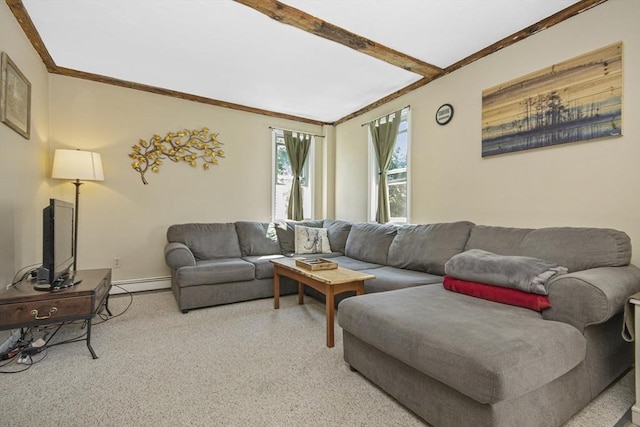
188,146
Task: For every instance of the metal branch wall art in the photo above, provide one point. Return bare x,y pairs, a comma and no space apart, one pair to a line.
187,146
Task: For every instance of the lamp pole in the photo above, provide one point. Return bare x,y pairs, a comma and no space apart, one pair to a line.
77,183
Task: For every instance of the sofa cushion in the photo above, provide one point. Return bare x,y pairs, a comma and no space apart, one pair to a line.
497,293
285,231
370,242
572,247
487,351
353,264
338,232
579,248
207,241
390,278
311,240
257,238
499,240
263,265
428,247
211,272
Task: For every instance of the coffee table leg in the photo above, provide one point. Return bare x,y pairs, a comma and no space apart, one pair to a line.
276,289
300,293
330,311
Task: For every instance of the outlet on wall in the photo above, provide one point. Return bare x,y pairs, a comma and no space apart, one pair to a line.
116,262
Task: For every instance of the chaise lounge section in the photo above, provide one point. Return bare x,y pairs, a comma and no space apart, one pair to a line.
456,359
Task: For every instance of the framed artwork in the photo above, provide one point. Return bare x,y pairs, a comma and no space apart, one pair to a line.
15,98
575,100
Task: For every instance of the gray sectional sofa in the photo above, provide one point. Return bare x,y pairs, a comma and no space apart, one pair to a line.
451,358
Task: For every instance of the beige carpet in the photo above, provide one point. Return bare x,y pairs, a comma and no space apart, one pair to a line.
242,364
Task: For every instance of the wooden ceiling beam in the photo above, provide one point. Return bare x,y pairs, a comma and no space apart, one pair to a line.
548,22
316,26
181,95
23,18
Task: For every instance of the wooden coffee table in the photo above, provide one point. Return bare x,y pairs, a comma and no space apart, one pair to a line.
328,282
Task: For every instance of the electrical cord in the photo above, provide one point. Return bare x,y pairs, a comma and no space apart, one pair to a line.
104,317
29,270
25,359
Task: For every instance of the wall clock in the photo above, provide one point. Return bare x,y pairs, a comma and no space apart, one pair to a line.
444,114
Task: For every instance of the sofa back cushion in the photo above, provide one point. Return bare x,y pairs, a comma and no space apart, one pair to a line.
257,238
427,247
579,248
571,247
338,232
285,231
207,241
499,240
370,242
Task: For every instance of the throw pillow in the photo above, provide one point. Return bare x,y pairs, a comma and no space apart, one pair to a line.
311,240
497,294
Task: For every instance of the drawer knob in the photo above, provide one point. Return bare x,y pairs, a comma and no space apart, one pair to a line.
52,310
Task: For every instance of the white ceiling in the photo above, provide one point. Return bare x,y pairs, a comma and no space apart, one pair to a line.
223,50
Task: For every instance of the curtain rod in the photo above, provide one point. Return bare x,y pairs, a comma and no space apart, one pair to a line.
378,118
297,131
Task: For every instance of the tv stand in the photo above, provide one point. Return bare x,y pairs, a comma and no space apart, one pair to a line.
22,306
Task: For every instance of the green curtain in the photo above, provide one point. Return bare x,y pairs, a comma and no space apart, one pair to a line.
297,148
383,133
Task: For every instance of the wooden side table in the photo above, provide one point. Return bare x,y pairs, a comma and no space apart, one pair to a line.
22,306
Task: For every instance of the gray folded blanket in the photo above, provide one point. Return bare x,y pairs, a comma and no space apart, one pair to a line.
526,274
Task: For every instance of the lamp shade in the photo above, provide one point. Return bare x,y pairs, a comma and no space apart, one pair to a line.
76,164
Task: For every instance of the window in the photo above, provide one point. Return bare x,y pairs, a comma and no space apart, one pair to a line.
283,177
397,176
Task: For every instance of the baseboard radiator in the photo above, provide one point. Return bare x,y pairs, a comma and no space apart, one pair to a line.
140,285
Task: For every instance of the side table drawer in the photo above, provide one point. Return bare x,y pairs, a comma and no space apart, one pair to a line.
19,314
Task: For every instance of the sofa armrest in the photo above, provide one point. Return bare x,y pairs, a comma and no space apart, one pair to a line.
593,296
178,255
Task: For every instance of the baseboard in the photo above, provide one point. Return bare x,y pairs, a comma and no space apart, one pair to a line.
140,285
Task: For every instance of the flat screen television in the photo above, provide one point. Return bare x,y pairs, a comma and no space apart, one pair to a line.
57,246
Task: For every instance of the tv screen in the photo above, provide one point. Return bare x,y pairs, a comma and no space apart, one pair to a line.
57,244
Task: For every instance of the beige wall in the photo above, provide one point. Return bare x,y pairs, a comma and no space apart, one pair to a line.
582,184
24,189
121,217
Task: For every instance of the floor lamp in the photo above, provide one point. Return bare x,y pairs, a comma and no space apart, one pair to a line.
77,165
